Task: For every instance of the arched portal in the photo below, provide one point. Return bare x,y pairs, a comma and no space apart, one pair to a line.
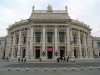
50,52
37,52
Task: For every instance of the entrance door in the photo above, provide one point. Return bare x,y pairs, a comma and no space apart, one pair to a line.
37,52
62,52
50,52
24,53
75,53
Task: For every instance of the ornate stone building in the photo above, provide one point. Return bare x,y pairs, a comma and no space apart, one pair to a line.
49,34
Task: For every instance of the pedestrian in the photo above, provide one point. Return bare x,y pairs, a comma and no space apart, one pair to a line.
68,59
40,59
64,59
22,60
57,59
61,59
18,60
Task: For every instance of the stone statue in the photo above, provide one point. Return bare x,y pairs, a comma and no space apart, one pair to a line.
49,8
33,8
66,8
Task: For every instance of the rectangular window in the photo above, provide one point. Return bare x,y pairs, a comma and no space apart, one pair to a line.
50,37
86,40
17,39
98,44
0,43
75,39
61,37
24,39
81,39
38,37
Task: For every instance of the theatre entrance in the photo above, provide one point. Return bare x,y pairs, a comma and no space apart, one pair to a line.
62,52
23,53
50,52
37,52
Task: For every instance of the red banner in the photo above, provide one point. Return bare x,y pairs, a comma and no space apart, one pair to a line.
37,48
50,49
62,48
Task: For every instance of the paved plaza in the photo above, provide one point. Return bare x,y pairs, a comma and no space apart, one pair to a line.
50,68
50,72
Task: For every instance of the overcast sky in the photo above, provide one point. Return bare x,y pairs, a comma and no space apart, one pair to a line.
87,11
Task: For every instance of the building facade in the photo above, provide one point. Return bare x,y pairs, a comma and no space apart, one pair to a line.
96,47
2,46
49,34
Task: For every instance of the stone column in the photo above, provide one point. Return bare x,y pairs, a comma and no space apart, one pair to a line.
8,49
71,43
27,45
56,43
19,45
85,48
90,46
31,43
79,44
13,46
68,42
43,45
34,37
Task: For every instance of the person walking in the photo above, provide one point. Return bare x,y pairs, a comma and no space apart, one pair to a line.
68,59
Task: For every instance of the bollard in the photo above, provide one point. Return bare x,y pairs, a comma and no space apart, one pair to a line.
98,68
9,69
27,69
73,68
45,69
90,68
64,69
18,69
36,69
82,68
54,69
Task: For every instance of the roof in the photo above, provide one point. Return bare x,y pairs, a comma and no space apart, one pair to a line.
53,15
